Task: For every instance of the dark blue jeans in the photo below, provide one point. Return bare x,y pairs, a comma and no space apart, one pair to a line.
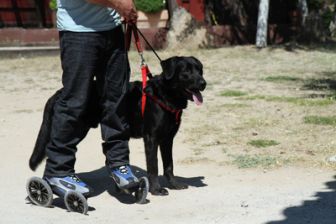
86,56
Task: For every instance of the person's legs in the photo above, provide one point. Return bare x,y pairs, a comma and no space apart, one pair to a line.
84,55
79,56
114,85
114,126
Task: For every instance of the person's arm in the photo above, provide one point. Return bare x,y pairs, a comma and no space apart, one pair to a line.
125,8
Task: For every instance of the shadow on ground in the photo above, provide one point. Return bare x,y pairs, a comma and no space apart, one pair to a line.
319,211
328,47
327,82
324,83
100,181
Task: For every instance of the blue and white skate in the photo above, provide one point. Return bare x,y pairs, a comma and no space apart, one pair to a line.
127,182
71,188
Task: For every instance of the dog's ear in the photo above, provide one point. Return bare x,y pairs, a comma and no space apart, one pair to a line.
168,68
198,63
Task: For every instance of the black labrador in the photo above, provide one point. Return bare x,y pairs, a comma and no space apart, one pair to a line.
167,95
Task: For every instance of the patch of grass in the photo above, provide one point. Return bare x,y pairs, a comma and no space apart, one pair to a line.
233,93
23,111
294,100
282,78
263,143
235,105
259,122
320,120
254,161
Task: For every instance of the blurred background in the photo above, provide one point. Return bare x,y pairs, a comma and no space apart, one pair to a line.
226,22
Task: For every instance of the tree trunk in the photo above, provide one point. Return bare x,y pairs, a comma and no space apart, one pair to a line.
261,38
303,7
172,5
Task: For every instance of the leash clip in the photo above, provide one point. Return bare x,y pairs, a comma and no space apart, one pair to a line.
143,61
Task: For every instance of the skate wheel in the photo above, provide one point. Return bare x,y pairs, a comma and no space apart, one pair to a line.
142,191
39,192
76,202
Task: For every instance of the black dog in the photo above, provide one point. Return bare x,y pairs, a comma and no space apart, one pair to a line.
167,95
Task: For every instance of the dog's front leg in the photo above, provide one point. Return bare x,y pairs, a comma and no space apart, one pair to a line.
166,148
151,150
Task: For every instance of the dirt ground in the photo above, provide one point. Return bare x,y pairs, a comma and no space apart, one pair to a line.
258,150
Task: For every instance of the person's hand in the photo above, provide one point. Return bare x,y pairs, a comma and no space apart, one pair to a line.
126,9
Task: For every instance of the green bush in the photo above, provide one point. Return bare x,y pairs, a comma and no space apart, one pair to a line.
53,5
150,6
325,8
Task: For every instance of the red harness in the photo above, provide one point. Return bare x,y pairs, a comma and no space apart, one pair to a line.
177,112
145,72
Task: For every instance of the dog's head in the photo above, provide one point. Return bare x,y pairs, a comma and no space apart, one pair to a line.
185,76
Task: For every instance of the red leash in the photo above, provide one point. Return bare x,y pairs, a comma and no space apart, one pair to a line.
131,29
145,72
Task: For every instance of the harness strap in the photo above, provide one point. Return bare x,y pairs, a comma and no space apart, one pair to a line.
177,112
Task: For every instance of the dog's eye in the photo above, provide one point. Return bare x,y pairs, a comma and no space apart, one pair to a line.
184,76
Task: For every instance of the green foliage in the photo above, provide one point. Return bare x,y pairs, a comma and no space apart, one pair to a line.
150,6
327,17
325,8
319,120
262,143
319,4
53,5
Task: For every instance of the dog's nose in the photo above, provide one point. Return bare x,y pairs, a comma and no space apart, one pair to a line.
202,84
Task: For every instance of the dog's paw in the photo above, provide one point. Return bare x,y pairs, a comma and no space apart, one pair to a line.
178,185
159,191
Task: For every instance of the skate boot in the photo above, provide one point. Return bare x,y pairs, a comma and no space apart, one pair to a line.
61,185
128,183
124,177
71,188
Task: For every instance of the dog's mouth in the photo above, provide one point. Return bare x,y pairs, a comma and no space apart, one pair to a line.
196,96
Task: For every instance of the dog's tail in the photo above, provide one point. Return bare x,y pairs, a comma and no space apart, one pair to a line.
44,134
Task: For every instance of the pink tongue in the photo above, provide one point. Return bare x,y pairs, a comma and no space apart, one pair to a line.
197,97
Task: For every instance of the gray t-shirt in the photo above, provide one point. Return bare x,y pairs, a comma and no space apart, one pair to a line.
81,16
